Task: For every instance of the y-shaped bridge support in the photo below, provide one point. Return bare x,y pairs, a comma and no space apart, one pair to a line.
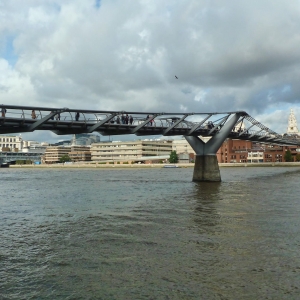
206,163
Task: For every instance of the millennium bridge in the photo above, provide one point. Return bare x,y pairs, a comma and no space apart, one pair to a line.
218,126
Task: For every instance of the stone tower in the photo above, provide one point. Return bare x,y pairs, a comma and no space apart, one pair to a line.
292,126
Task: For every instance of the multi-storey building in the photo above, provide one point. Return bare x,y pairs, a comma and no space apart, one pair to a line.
182,146
234,151
255,156
10,143
85,139
53,154
274,153
14,148
130,151
80,153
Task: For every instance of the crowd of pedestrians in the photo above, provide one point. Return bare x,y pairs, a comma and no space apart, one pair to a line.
124,119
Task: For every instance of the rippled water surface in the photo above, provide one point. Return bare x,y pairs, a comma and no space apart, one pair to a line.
149,234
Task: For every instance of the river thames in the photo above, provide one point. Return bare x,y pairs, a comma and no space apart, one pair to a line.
149,234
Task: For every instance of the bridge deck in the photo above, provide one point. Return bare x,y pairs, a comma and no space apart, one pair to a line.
62,121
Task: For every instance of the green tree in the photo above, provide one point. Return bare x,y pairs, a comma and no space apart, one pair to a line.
288,156
173,157
64,158
298,157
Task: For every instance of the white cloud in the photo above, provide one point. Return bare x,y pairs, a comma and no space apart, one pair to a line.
125,54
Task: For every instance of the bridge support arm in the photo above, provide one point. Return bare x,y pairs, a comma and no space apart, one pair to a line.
137,128
175,124
40,122
96,126
213,145
198,125
206,164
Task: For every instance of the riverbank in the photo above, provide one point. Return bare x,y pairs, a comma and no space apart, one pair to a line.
143,166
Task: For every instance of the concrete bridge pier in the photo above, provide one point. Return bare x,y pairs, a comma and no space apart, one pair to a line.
206,163
206,168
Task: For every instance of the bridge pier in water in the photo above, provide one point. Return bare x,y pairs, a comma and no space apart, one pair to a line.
206,164
206,168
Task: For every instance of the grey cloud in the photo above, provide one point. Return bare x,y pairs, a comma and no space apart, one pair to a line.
228,55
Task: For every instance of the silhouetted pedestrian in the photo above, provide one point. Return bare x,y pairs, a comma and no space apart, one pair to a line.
77,116
131,119
3,111
33,115
151,122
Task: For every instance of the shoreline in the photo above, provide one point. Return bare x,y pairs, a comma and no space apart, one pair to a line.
143,166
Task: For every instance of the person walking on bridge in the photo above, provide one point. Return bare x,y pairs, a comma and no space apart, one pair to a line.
77,116
33,115
3,111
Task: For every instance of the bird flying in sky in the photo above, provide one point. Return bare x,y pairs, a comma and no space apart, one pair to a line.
176,77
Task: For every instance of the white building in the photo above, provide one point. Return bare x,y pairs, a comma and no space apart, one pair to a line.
34,147
292,125
130,151
182,146
13,148
255,157
11,143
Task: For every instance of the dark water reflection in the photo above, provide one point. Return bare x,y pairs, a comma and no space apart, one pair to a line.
149,234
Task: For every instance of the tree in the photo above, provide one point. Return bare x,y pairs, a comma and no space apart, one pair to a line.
64,158
298,157
288,156
173,157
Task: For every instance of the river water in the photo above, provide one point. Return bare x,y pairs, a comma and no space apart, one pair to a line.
149,234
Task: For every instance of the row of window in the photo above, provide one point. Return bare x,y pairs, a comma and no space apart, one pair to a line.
7,140
270,156
8,145
131,145
241,157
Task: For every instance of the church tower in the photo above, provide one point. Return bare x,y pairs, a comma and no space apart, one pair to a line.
292,127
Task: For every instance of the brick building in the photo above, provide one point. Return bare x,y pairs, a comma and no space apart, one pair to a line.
234,151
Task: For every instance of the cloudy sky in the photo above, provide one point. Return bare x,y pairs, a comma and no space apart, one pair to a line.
124,55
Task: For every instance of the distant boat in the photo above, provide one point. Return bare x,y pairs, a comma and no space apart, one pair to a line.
171,166
5,165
